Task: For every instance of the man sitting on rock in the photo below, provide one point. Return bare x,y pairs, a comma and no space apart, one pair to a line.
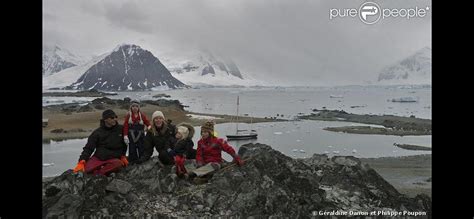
108,146
161,136
208,155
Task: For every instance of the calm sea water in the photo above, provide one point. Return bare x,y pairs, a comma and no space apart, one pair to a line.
269,102
296,139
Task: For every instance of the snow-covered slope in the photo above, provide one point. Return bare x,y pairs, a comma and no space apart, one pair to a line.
56,58
198,68
70,75
416,69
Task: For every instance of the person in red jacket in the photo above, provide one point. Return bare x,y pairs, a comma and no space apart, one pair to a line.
134,131
208,155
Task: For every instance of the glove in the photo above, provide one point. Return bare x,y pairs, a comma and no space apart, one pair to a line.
238,161
126,140
80,166
171,152
124,161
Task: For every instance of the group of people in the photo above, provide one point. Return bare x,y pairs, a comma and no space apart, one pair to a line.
106,147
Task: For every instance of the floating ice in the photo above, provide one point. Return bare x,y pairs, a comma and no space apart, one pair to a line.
48,164
335,152
354,151
405,99
302,151
277,133
295,150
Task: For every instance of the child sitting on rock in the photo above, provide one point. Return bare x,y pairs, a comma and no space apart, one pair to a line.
183,148
208,155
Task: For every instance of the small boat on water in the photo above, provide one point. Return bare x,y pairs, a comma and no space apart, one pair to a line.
243,135
239,133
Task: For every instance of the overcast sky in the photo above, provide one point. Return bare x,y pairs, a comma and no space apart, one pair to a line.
284,41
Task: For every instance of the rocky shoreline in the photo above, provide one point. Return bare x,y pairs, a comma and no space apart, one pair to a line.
412,147
394,125
74,120
374,130
86,93
270,184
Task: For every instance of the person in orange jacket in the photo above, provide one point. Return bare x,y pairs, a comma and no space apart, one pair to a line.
108,146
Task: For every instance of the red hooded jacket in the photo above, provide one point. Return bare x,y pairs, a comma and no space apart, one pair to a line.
135,119
209,150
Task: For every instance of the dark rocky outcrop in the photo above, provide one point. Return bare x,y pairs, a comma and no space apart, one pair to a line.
208,70
269,184
105,102
389,121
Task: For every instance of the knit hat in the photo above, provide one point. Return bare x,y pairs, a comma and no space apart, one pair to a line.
183,131
134,101
108,114
208,126
156,114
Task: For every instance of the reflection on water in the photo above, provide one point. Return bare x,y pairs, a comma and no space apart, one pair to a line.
297,139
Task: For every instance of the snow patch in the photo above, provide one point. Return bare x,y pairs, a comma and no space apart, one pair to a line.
192,116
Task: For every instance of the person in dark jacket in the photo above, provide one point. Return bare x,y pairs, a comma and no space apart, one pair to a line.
106,142
160,136
134,131
183,149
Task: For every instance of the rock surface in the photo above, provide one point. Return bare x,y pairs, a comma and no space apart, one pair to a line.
269,184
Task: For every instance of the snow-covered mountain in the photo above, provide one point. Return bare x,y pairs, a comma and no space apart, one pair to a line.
127,67
56,58
70,75
415,69
203,68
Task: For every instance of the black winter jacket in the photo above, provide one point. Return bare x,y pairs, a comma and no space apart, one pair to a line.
161,142
107,142
185,147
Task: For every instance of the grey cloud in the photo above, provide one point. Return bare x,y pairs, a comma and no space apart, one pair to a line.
128,15
290,41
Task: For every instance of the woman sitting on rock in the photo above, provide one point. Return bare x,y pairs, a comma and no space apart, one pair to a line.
161,136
